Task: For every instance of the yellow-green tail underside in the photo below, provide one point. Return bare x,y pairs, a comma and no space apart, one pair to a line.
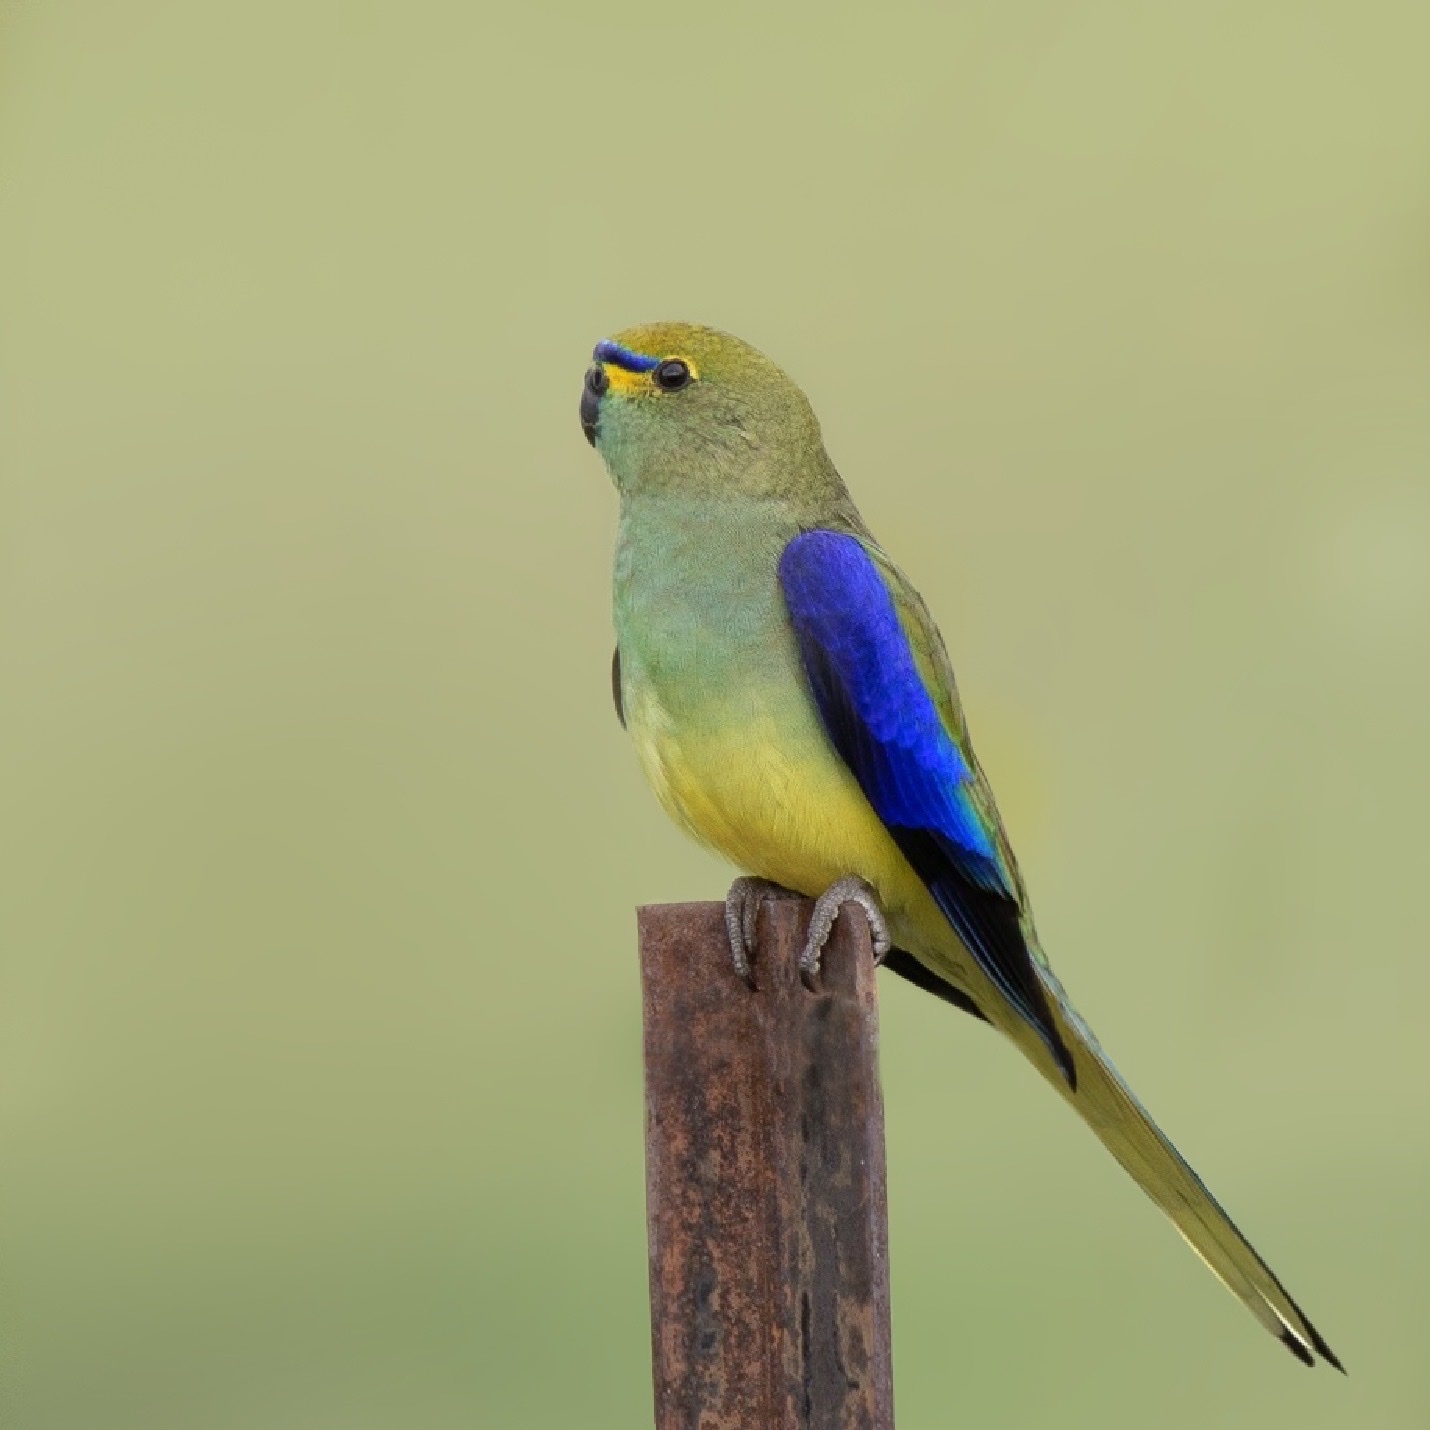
1110,1108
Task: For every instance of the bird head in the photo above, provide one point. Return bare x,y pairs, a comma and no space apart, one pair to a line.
680,406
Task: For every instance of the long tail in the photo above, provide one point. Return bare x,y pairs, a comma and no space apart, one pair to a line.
1111,1109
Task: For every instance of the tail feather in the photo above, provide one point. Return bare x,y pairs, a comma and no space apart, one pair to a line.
1125,1128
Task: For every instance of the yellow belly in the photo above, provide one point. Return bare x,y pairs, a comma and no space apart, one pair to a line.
774,800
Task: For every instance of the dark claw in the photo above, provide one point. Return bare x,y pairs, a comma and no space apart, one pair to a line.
742,914
849,890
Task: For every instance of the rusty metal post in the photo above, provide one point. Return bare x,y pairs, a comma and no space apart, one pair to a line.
765,1191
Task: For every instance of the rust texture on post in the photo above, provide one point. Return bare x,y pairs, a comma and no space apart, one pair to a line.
765,1189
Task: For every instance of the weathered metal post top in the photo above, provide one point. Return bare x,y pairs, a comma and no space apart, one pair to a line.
765,1180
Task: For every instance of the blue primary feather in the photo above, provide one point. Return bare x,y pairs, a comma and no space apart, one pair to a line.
917,776
884,723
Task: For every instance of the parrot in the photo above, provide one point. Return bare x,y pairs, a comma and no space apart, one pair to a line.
793,707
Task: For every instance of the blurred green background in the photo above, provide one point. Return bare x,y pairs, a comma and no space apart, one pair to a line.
319,843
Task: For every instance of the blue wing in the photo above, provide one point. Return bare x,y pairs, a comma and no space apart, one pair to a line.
884,723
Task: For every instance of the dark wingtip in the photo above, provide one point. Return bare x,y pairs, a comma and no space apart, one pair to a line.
907,966
1297,1347
1064,1059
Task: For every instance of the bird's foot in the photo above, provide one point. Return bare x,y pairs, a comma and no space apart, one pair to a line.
742,912
850,890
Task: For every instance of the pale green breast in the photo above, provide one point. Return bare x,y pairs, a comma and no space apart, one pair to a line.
716,703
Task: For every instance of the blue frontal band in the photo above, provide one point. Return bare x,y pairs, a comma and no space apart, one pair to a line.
614,353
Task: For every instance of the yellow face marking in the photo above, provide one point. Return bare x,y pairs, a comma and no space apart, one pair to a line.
628,384
641,384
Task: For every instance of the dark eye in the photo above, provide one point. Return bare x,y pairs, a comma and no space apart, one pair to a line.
672,375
